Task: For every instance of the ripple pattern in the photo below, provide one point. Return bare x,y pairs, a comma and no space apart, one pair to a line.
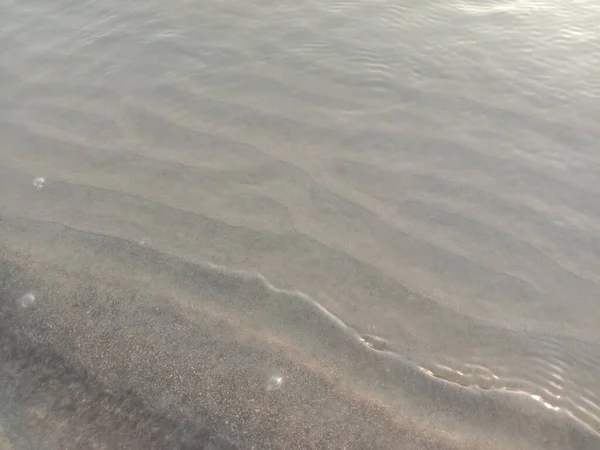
395,204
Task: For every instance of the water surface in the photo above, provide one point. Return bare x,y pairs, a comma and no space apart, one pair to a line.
275,225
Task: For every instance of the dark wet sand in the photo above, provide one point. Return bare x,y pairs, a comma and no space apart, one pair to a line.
394,208
128,348
126,345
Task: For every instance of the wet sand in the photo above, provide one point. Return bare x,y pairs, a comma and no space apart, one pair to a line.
225,226
123,346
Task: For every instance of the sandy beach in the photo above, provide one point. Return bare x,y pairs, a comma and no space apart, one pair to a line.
293,226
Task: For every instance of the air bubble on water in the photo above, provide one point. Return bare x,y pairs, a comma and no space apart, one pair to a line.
39,182
27,300
274,383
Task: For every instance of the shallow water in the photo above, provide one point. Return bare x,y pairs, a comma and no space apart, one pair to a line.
344,225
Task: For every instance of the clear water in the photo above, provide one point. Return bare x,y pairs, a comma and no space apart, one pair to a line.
279,225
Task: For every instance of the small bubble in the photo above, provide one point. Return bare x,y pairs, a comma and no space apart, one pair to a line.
274,383
27,300
39,182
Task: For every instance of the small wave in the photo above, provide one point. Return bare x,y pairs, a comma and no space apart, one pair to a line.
548,372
